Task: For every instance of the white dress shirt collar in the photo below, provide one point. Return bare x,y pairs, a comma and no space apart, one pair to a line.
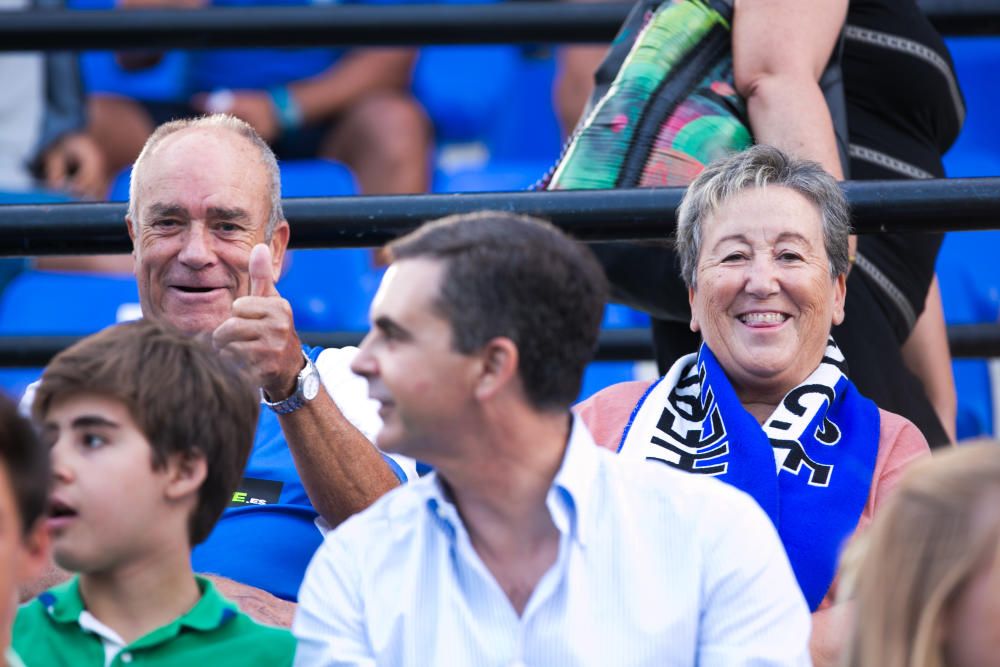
568,499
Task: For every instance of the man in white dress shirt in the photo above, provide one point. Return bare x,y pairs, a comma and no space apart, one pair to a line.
529,545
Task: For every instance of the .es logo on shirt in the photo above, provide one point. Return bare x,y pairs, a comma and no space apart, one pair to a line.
253,491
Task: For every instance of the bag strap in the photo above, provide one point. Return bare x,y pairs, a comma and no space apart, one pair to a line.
832,84
723,7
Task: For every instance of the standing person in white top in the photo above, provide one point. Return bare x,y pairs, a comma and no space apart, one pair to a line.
528,545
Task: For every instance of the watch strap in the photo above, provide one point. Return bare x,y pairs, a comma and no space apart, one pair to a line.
297,399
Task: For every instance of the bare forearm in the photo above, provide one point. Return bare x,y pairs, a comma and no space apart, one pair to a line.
358,74
259,605
342,471
927,355
791,114
780,49
575,81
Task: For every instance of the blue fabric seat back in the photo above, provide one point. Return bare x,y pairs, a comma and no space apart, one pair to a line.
165,81
977,151
967,268
56,303
492,112
464,88
970,291
518,140
601,374
329,289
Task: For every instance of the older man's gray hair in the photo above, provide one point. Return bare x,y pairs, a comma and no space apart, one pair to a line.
758,167
221,121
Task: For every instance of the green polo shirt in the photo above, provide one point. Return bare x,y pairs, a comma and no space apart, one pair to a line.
47,633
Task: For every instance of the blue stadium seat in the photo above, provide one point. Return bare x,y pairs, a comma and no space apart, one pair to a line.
970,290
463,88
330,289
166,81
601,374
977,151
967,268
492,111
57,303
64,303
316,178
299,178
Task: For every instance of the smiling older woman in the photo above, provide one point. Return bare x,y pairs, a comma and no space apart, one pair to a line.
766,404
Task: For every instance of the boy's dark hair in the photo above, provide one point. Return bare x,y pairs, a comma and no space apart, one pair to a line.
26,461
522,278
184,397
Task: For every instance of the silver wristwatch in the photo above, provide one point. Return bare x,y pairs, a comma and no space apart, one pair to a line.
306,389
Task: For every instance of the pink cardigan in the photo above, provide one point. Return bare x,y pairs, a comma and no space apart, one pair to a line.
900,442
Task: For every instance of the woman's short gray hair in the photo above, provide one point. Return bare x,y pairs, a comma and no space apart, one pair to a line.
222,121
758,167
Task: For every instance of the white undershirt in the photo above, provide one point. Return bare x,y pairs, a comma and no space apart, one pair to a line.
111,640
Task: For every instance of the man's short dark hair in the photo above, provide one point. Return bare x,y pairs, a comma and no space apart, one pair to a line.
27,465
521,278
184,397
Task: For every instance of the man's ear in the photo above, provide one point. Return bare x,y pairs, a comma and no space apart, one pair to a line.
278,245
186,473
499,364
34,555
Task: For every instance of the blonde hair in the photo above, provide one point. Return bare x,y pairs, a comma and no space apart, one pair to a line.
924,546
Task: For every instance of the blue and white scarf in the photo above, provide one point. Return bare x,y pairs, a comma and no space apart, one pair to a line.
809,466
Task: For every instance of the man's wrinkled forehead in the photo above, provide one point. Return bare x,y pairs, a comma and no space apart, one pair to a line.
159,210
191,153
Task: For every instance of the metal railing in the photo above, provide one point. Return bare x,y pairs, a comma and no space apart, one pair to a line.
892,206
359,25
589,215
27,351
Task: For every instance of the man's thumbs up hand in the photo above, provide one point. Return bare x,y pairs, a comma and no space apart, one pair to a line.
260,334
261,272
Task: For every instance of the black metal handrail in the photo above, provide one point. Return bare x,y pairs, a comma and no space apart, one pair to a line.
965,340
359,25
590,215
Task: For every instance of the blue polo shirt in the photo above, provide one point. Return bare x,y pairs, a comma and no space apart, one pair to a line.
268,534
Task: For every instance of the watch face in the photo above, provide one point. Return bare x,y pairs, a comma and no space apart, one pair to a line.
310,386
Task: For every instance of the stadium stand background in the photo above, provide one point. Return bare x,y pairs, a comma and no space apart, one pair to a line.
498,132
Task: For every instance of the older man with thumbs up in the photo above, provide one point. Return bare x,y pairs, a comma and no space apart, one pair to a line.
209,238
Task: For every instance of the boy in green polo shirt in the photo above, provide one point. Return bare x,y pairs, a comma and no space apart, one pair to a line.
24,490
149,433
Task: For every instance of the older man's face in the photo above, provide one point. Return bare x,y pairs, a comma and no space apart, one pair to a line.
203,202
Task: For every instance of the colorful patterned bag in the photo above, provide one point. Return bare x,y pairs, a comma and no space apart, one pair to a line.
671,107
